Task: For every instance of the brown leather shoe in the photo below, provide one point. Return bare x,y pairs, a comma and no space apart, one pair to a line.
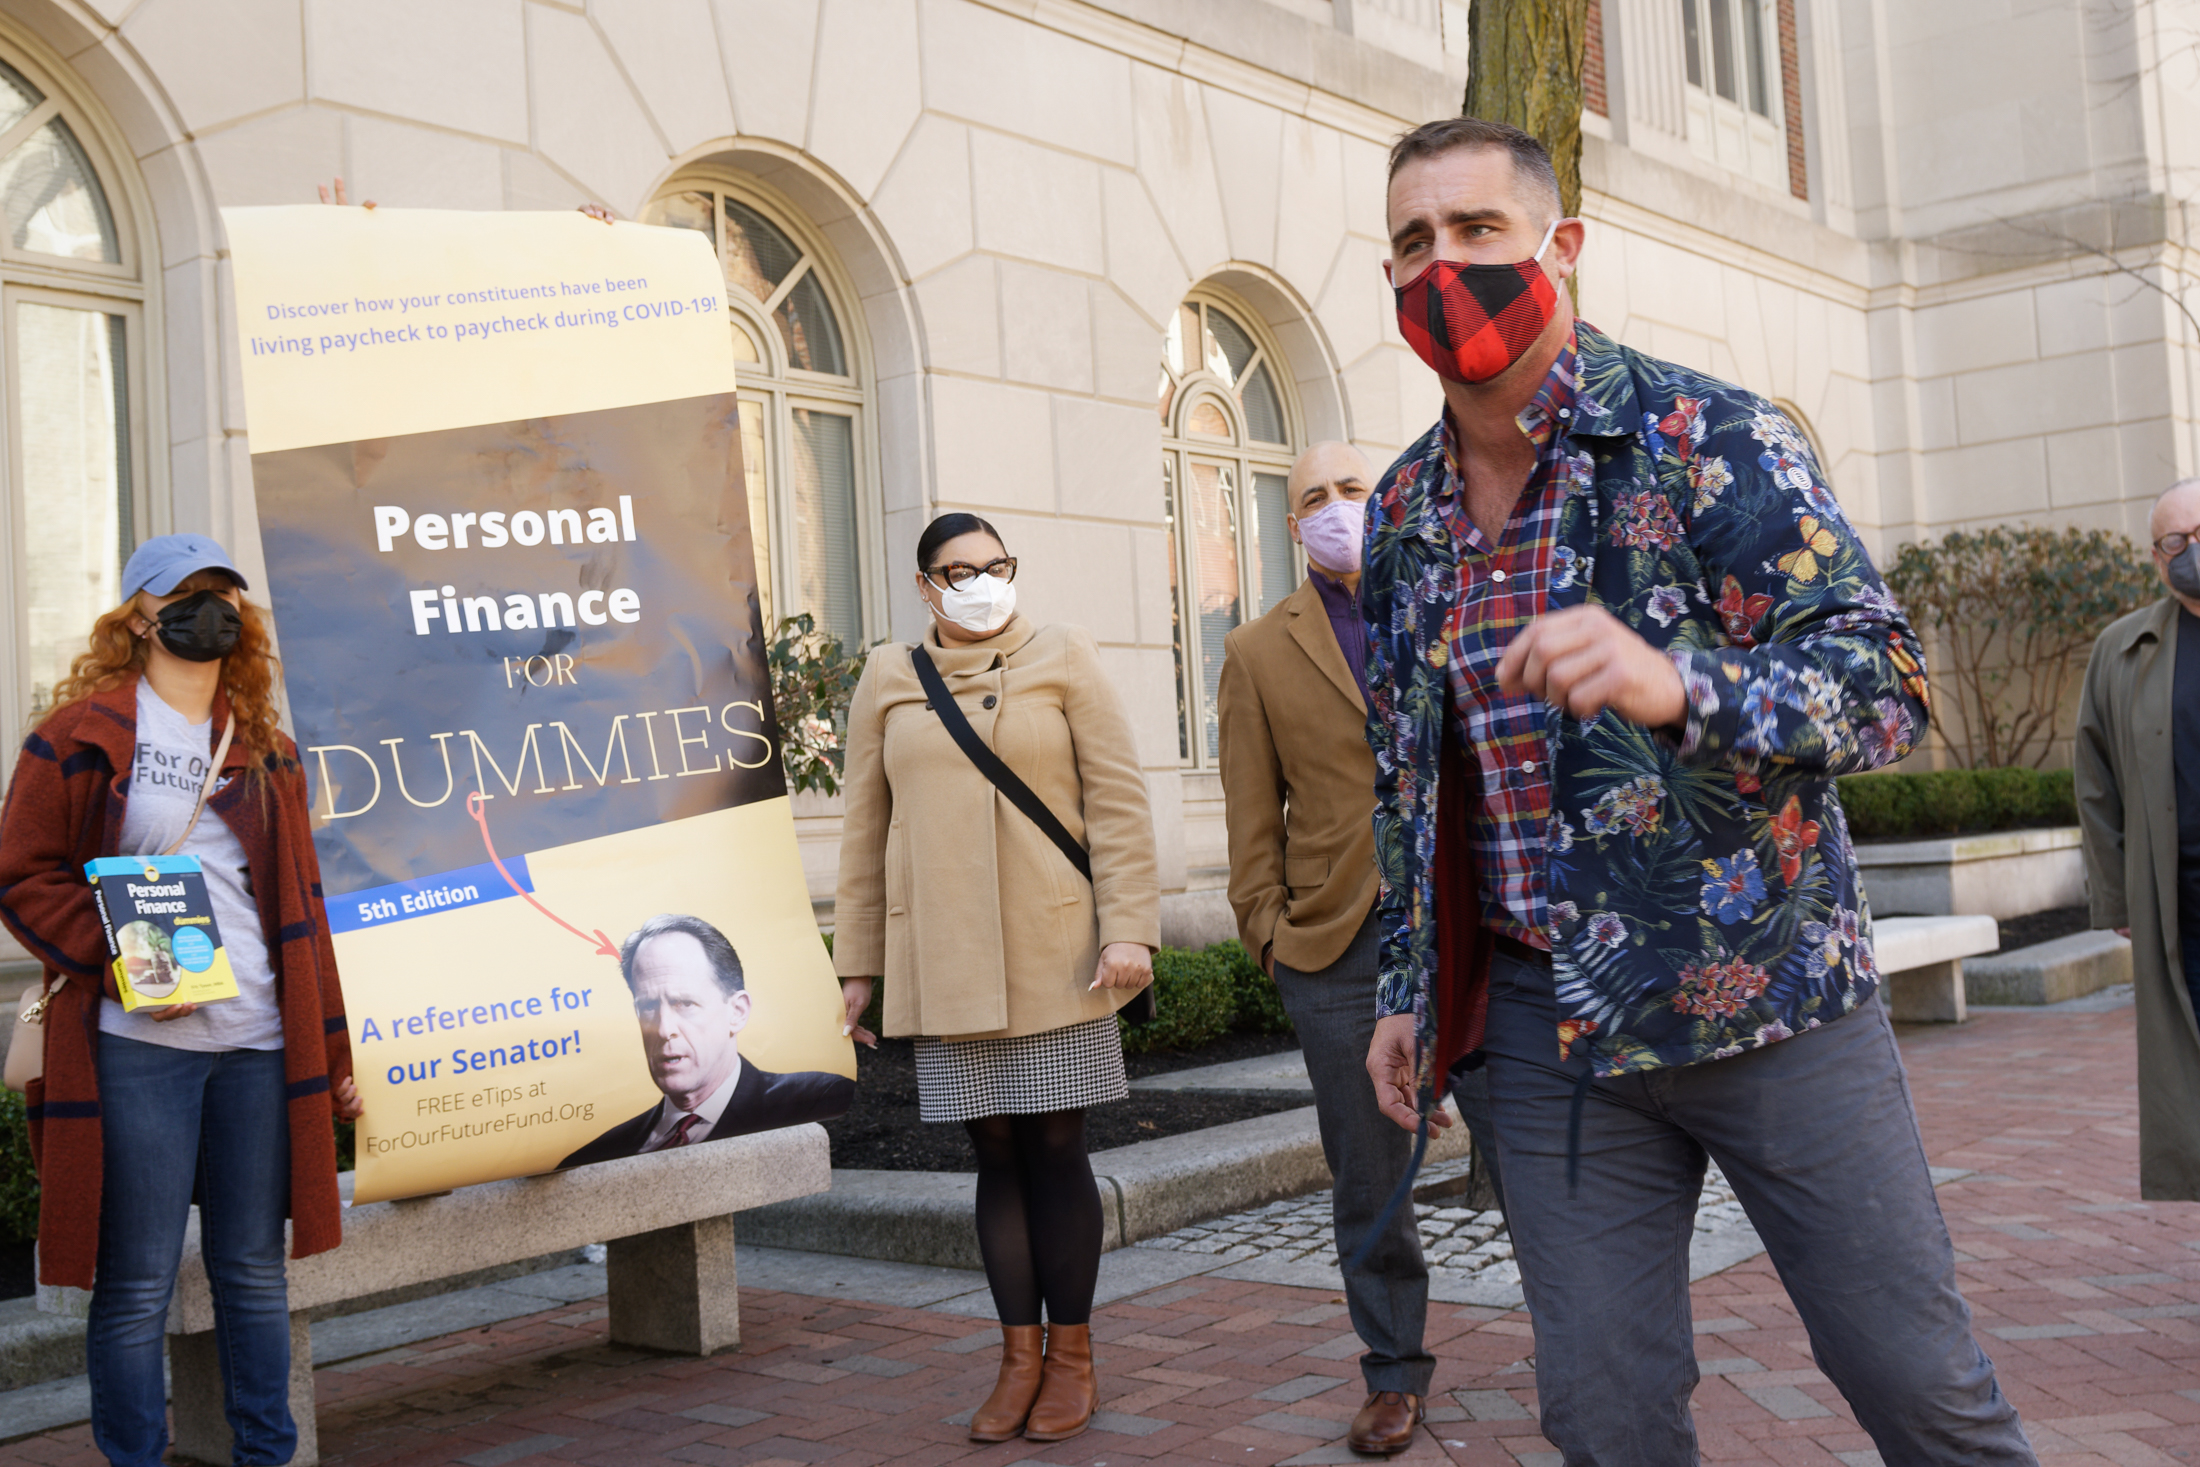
1386,1424
1070,1393
1002,1415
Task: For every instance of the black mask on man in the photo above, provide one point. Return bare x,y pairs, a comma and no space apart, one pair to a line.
201,627
2184,571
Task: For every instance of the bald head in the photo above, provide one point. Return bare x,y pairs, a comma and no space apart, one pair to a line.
1320,477
2178,509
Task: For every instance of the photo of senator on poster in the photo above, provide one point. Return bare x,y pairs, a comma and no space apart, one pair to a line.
692,1004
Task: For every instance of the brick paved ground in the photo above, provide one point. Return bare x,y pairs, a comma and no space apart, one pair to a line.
2088,1300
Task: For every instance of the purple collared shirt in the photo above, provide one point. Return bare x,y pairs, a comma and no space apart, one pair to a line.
1345,620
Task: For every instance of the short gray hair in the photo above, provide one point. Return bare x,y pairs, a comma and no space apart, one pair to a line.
725,963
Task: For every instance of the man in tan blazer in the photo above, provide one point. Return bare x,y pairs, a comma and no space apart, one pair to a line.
1298,784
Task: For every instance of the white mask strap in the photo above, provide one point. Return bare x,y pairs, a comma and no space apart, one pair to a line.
1548,236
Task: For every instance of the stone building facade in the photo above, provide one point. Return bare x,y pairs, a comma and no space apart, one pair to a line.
1097,268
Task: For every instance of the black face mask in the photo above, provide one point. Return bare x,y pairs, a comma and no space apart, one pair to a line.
2184,571
201,627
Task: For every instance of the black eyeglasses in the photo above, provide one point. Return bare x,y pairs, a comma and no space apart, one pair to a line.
2174,543
955,574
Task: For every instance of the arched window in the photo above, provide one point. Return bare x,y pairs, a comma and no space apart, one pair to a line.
71,313
1229,433
802,400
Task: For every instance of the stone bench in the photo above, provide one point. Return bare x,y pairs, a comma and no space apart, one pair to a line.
666,1220
1921,962
2051,972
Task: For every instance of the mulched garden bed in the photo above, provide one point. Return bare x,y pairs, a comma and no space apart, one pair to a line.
881,1131
2036,927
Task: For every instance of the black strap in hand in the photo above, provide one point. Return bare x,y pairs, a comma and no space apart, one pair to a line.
1003,778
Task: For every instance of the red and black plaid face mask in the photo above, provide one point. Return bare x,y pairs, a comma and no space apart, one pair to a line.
1471,322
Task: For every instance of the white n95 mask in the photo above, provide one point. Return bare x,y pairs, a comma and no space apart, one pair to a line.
981,604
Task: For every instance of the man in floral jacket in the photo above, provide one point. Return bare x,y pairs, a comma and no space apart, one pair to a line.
1622,640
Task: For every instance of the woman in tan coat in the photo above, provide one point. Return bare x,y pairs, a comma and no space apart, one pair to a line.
999,957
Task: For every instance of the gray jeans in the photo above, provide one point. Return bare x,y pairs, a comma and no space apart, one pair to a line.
1817,1137
1334,1013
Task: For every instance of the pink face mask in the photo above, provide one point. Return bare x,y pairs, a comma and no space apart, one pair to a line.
1332,535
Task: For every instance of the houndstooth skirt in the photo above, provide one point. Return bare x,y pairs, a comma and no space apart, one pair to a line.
1060,1069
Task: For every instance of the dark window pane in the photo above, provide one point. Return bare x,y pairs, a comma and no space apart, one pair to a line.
1278,576
1691,35
758,254
1237,346
812,332
53,200
17,96
1263,407
1753,56
1722,48
824,475
1176,611
1215,569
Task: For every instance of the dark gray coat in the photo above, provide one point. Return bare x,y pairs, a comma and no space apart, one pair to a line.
2127,801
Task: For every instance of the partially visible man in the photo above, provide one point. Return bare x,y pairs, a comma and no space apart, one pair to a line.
1298,784
1621,641
692,1002
2138,775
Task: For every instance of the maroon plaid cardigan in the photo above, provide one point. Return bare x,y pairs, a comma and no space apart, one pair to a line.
65,808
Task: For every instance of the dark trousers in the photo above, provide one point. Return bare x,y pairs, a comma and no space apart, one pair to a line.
1334,1013
1817,1136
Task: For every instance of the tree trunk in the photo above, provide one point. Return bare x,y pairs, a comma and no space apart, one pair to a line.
1525,59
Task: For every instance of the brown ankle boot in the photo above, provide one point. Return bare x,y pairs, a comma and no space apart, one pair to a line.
1070,1393
1003,1413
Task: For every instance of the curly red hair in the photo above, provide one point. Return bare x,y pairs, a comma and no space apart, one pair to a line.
249,673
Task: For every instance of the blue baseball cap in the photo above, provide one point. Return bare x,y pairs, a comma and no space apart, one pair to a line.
165,561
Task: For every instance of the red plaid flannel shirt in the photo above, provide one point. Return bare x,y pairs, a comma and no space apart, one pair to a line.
1502,589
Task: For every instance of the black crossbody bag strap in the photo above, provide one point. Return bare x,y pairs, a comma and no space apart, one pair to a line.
1003,778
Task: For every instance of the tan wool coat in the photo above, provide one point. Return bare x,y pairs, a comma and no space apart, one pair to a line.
2127,801
1298,785
980,927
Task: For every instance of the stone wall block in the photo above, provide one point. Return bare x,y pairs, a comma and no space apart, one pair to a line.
1072,571
531,183
867,94
1141,258
1247,138
202,1431
275,159
186,298
2030,398
962,321
1975,334
219,62
1145,677
924,202
994,446
1007,73
1037,203
1125,347
899,403
1177,163
1310,195
183,209
1151,549
1987,482
666,47
767,46
1046,320
607,144
1108,463
415,168
456,66
1357,310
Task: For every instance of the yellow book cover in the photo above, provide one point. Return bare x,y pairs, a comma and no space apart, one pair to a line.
161,936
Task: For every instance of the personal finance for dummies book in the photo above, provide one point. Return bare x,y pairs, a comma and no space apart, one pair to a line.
161,935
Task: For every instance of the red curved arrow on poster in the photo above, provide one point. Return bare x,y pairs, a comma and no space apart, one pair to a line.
603,944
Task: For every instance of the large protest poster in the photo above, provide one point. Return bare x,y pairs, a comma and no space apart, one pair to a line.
497,465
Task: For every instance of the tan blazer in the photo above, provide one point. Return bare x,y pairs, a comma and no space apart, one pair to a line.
1298,785
981,927
2127,803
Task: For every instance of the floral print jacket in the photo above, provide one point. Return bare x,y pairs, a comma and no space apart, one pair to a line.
1703,890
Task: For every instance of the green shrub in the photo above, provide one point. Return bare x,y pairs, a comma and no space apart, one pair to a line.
1253,993
18,1180
1957,802
1197,1001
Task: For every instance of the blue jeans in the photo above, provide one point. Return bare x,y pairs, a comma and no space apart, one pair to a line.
172,1120
1817,1137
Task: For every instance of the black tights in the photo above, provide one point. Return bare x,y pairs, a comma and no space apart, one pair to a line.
1039,1220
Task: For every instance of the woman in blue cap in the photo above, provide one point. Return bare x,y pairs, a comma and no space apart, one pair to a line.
164,738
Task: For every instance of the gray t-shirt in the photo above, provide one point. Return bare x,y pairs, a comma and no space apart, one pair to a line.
171,764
